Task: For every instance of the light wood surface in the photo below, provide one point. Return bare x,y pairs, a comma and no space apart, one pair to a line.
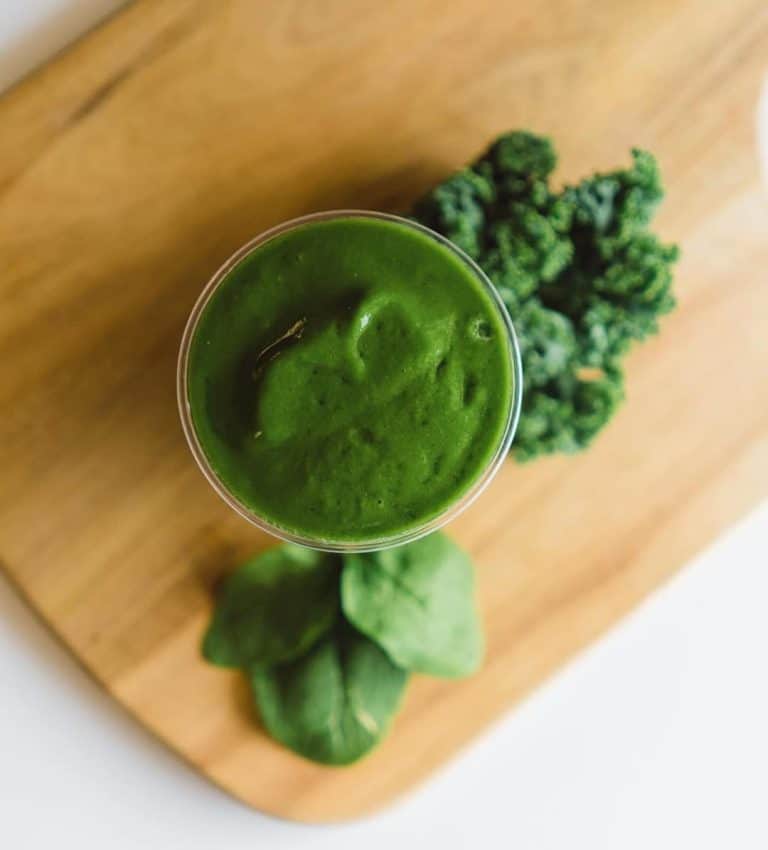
135,163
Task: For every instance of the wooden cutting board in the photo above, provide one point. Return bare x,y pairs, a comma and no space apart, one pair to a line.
133,164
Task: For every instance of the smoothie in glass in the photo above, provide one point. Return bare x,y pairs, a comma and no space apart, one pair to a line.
349,379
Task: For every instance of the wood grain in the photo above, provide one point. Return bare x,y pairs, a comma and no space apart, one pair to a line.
135,163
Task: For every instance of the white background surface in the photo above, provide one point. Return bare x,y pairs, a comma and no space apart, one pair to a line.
654,738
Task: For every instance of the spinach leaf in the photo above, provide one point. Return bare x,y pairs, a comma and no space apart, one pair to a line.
274,608
417,602
334,704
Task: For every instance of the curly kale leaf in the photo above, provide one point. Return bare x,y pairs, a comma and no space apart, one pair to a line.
527,246
579,271
519,164
566,414
457,209
548,344
620,280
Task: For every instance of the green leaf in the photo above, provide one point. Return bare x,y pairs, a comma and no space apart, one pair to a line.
417,602
274,608
579,270
334,704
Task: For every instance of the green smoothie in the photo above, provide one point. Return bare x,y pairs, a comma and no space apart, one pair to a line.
350,379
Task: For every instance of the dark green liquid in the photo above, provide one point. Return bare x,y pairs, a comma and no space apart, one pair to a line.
349,379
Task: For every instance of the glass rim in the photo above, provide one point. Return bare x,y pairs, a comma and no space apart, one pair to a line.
409,535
